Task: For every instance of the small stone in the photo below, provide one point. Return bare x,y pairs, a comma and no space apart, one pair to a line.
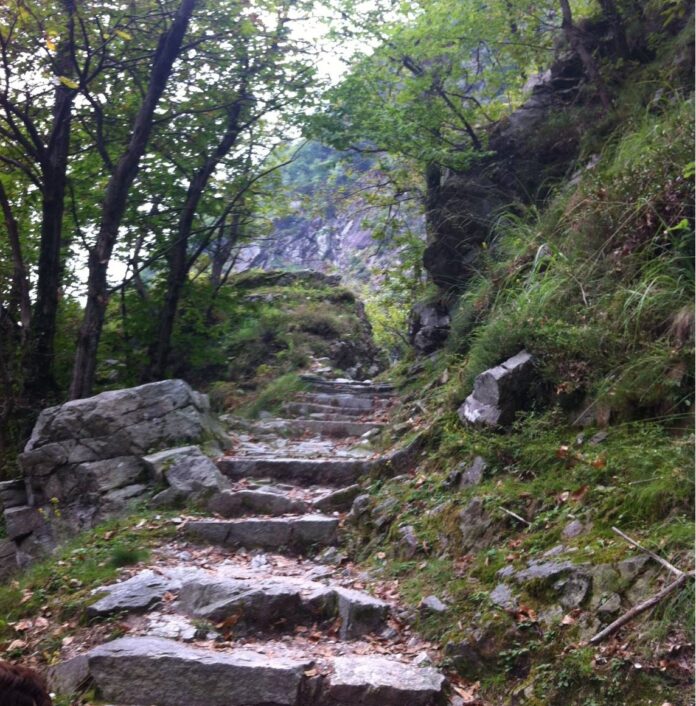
573,529
259,561
609,605
630,568
573,589
432,604
598,438
502,596
422,659
408,542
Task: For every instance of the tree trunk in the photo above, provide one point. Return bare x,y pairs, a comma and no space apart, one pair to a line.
40,382
575,39
19,296
115,201
179,264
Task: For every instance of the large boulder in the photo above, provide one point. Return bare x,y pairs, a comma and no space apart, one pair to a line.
500,392
84,460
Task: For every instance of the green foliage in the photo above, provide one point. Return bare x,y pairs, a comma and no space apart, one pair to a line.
599,286
271,397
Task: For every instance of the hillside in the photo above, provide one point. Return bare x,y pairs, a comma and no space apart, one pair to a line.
404,417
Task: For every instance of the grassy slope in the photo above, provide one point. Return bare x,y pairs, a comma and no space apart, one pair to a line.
608,312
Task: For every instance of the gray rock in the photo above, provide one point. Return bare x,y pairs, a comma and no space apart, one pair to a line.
118,500
137,594
477,527
22,520
360,613
168,498
573,589
432,604
111,473
429,326
173,627
230,503
499,392
299,533
473,473
385,513
543,570
187,470
503,597
84,455
13,493
467,474
8,558
330,555
360,506
377,681
609,606
408,545
605,579
573,529
339,500
598,438
70,677
629,569
150,670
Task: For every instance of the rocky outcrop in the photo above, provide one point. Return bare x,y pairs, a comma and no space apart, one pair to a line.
429,326
499,392
525,155
85,461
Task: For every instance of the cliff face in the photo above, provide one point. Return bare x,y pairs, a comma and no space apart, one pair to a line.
338,241
337,219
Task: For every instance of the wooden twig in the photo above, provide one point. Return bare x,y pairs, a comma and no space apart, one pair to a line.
515,515
652,555
640,608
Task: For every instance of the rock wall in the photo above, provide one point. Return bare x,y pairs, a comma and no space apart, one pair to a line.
84,462
527,154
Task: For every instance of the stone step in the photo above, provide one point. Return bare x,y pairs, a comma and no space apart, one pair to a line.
300,471
274,501
341,401
373,388
281,603
311,409
299,427
261,501
161,672
295,533
355,390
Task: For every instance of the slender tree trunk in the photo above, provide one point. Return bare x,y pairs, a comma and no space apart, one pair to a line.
19,297
577,42
115,201
54,166
179,264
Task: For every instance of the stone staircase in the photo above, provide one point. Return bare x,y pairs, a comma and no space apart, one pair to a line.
233,613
